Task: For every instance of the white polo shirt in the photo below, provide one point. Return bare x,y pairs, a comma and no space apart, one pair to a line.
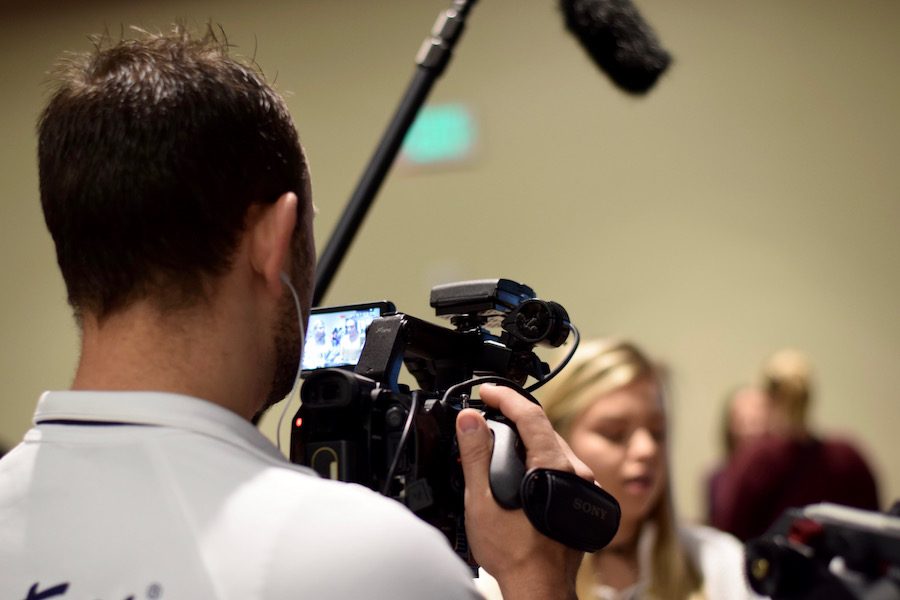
144,495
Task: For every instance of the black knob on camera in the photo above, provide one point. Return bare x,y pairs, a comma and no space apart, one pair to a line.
779,568
538,322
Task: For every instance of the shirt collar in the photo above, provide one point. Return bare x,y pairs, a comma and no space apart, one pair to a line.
154,408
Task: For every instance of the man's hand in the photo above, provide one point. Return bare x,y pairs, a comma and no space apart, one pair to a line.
525,563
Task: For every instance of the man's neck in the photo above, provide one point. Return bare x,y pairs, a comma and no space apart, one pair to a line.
188,352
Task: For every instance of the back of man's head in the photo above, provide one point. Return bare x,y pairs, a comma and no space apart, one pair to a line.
151,150
747,417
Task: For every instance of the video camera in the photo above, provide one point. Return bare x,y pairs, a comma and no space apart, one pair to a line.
363,426
828,551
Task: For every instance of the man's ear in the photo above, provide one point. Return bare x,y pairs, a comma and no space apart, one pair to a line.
270,243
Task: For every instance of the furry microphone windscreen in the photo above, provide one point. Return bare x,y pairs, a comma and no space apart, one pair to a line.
618,39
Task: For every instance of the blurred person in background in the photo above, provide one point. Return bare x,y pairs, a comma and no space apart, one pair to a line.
745,419
608,404
790,466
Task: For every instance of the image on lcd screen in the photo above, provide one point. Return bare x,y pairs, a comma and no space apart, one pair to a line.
336,339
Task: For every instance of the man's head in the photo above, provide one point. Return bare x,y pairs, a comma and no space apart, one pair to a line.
318,330
747,417
151,152
351,328
163,161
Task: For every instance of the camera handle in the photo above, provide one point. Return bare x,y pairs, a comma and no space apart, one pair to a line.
507,463
432,59
561,505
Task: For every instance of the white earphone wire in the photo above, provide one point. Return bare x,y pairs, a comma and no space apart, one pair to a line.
287,400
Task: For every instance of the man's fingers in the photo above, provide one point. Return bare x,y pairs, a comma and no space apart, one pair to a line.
475,446
508,400
529,418
541,441
581,469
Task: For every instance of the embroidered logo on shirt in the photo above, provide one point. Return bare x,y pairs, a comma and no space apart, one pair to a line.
153,591
35,594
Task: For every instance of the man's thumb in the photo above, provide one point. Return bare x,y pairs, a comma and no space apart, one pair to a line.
475,446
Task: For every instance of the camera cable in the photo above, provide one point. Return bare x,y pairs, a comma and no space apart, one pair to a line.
413,408
562,364
468,384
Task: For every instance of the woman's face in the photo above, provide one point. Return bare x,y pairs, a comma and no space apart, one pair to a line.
621,437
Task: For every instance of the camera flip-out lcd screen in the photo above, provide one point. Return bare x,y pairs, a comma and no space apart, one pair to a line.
336,335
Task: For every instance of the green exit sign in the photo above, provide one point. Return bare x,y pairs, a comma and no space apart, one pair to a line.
442,133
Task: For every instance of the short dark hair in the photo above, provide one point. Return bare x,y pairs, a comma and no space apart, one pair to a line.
150,152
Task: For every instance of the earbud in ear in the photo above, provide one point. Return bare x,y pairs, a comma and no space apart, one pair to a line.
284,278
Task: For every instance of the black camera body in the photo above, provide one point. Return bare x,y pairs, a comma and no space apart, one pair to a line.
363,426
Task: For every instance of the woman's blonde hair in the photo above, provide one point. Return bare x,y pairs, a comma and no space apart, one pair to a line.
598,368
787,379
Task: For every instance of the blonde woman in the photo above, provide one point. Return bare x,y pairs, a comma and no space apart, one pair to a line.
608,403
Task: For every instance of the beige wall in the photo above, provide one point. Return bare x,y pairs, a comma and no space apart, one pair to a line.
751,201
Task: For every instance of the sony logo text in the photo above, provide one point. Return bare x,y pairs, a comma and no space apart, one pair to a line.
588,508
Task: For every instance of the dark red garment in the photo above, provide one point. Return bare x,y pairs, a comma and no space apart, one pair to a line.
713,484
776,473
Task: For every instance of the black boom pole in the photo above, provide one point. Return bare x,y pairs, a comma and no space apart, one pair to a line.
431,61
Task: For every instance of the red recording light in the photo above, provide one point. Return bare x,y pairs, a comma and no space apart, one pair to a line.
298,422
